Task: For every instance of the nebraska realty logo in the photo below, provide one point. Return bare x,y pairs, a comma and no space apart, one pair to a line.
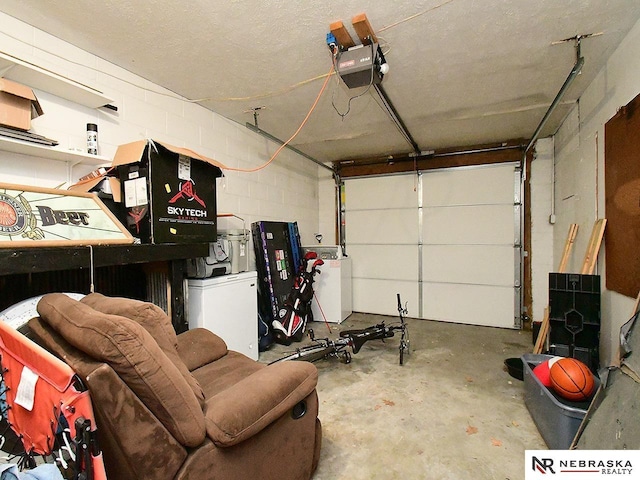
581,464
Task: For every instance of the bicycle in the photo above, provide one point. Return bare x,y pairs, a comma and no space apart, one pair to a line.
380,332
321,349
325,347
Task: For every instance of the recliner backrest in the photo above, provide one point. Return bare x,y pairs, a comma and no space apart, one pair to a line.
153,320
136,357
130,436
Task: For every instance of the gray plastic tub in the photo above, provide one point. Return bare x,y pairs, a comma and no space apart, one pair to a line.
557,421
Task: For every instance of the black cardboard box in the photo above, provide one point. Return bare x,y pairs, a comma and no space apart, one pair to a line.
169,193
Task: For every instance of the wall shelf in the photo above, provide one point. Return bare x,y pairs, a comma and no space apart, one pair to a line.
40,78
53,153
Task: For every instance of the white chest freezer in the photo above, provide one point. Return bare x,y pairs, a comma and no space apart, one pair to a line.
228,306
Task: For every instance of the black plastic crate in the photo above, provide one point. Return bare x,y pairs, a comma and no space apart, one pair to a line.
572,295
578,334
574,316
589,356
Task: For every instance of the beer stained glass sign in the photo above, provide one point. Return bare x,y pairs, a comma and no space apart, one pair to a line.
47,217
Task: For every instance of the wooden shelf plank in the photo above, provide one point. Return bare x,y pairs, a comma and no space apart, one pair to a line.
53,153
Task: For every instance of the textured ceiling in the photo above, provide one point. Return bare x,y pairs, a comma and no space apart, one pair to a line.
462,72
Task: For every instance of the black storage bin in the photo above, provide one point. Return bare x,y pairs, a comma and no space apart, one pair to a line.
588,356
574,316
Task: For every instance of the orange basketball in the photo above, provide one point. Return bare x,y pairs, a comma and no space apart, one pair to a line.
572,379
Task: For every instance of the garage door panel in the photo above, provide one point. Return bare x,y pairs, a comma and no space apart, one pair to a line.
381,192
390,226
469,225
461,233
479,264
469,304
379,296
392,262
466,186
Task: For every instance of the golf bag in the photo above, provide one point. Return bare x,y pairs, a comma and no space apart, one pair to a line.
296,312
265,337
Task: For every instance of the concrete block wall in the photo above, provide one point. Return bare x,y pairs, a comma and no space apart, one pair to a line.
579,163
286,190
541,255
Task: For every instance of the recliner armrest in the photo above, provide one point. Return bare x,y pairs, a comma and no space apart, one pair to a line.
199,347
255,402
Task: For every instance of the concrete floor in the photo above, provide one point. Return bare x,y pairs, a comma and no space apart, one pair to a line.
450,412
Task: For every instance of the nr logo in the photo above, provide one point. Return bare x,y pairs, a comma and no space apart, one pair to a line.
542,465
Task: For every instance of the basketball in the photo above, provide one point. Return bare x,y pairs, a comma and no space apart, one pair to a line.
572,379
543,371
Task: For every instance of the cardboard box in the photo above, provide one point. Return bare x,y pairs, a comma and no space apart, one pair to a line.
18,105
169,193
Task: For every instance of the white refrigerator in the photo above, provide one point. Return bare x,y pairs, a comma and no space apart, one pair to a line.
228,306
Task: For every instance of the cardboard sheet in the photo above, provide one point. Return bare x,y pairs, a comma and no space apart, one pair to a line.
612,419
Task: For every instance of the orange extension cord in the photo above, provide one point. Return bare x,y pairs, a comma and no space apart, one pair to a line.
277,152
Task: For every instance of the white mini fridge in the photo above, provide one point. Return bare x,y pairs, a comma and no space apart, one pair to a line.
228,306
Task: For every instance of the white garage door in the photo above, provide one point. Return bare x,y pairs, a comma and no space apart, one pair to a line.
381,234
442,239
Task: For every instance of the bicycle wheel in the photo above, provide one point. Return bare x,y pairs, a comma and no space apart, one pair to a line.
404,345
311,353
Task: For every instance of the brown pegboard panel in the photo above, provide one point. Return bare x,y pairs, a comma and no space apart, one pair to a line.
622,199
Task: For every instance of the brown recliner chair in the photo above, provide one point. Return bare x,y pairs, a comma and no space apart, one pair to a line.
182,406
